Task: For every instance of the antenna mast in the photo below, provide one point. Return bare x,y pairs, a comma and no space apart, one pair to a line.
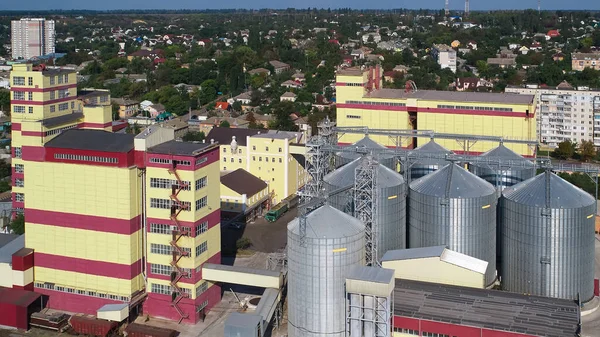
540,7
447,7
466,8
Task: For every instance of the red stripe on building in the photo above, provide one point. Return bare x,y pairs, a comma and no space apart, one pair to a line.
124,159
15,127
213,219
211,156
340,84
196,276
22,259
27,89
442,328
48,102
33,153
90,267
436,110
62,301
158,305
80,221
32,133
94,125
28,287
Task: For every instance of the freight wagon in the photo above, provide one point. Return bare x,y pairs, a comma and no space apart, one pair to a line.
139,330
57,322
282,207
91,326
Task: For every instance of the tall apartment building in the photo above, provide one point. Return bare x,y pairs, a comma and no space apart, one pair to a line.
111,218
445,56
564,113
276,157
580,61
361,101
32,37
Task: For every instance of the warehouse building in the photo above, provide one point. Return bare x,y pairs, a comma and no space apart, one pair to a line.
243,196
362,101
112,218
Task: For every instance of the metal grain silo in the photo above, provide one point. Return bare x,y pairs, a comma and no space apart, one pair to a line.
317,269
343,158
547,238
455,208
422,167
391,202
505,175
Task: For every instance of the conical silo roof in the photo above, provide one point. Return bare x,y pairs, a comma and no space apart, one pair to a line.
431,147
345,175
366,143
532,192
326,222
452,181
505,154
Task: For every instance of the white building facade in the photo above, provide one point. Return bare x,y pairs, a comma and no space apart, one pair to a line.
565,114
32,37
445,56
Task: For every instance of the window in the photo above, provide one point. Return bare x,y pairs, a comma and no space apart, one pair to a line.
66,78
407,331
60,79
75,157
200,183
232,160
253,148
161,289
30,109
202,306
19,197
201,228
201,160
280,160
259,158
52,94
201,288
53,108
201,248
168,183
166,204
224,150
30,96
273,160
63,106
52,80
63,93
18,152
266,148
168,161
279,149
19,168
201,203
160,228
156,248
19,95
353,116
160,269
30,81
224,159
18,80
19,109
19,182
253,158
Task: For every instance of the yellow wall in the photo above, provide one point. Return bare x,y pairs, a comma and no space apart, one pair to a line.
191,287
99,114
83,189
232,201
100,284
6,279
435,271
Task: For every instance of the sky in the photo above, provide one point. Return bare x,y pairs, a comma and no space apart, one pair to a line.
359,4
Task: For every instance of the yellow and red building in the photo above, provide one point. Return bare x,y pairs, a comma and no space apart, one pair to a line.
111,218
362,101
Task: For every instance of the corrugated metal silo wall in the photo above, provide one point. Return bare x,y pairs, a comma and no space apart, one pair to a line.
391,215
568,241
316,277
466,226
505,178
419,170
343,201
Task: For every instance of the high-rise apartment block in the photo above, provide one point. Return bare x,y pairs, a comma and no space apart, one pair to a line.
445,56
565,113
32,37
111,218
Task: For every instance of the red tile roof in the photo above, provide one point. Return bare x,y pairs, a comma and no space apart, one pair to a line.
222,105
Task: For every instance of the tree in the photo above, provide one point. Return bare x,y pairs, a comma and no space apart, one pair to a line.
224,124
115,111
565,150
237,106
194,136
136,129
17,225
5,100
587,150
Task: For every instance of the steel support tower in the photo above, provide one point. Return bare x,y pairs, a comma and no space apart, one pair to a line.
365,205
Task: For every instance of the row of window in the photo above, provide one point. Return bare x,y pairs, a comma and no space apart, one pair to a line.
348,84
162,269
20,96
156,248
464,107
19,109
407,331
57,131
18,152
167,204
353,117
168,183
60,79
169,161
70,290
266,159
166,289
158,228
253,149
77,157
376,103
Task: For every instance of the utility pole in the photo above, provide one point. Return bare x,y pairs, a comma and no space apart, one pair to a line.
466,8
540,7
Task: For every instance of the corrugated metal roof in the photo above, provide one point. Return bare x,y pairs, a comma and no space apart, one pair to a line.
366,143
464,261
344,176
326,222
371,274
413,253
532,192
238,319
459,183
502,152
12,244
431,147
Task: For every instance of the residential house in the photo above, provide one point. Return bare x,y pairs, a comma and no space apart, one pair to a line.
513,46
127,107
243,195
536,46
224,106
279,66
445,56
580,61
502,62
146,54
155,110
374,57
302,124
288,97
133,77
472,45
524,50
374,37
401,69
455,44
187,87
207,125
358,54
4,82
259,71
558,57
553,33
243,98
298,76
145,104
292,84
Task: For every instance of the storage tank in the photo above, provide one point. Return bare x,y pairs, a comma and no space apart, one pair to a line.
391,202
343,158
422,167
455,208
334,244
504,175
547,238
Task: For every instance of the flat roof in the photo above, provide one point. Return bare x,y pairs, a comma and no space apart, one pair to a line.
243,270
179,148
92,140
223,136
350,72
18,297
483,308
413,253
462,97
370,274
59,120
10,246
